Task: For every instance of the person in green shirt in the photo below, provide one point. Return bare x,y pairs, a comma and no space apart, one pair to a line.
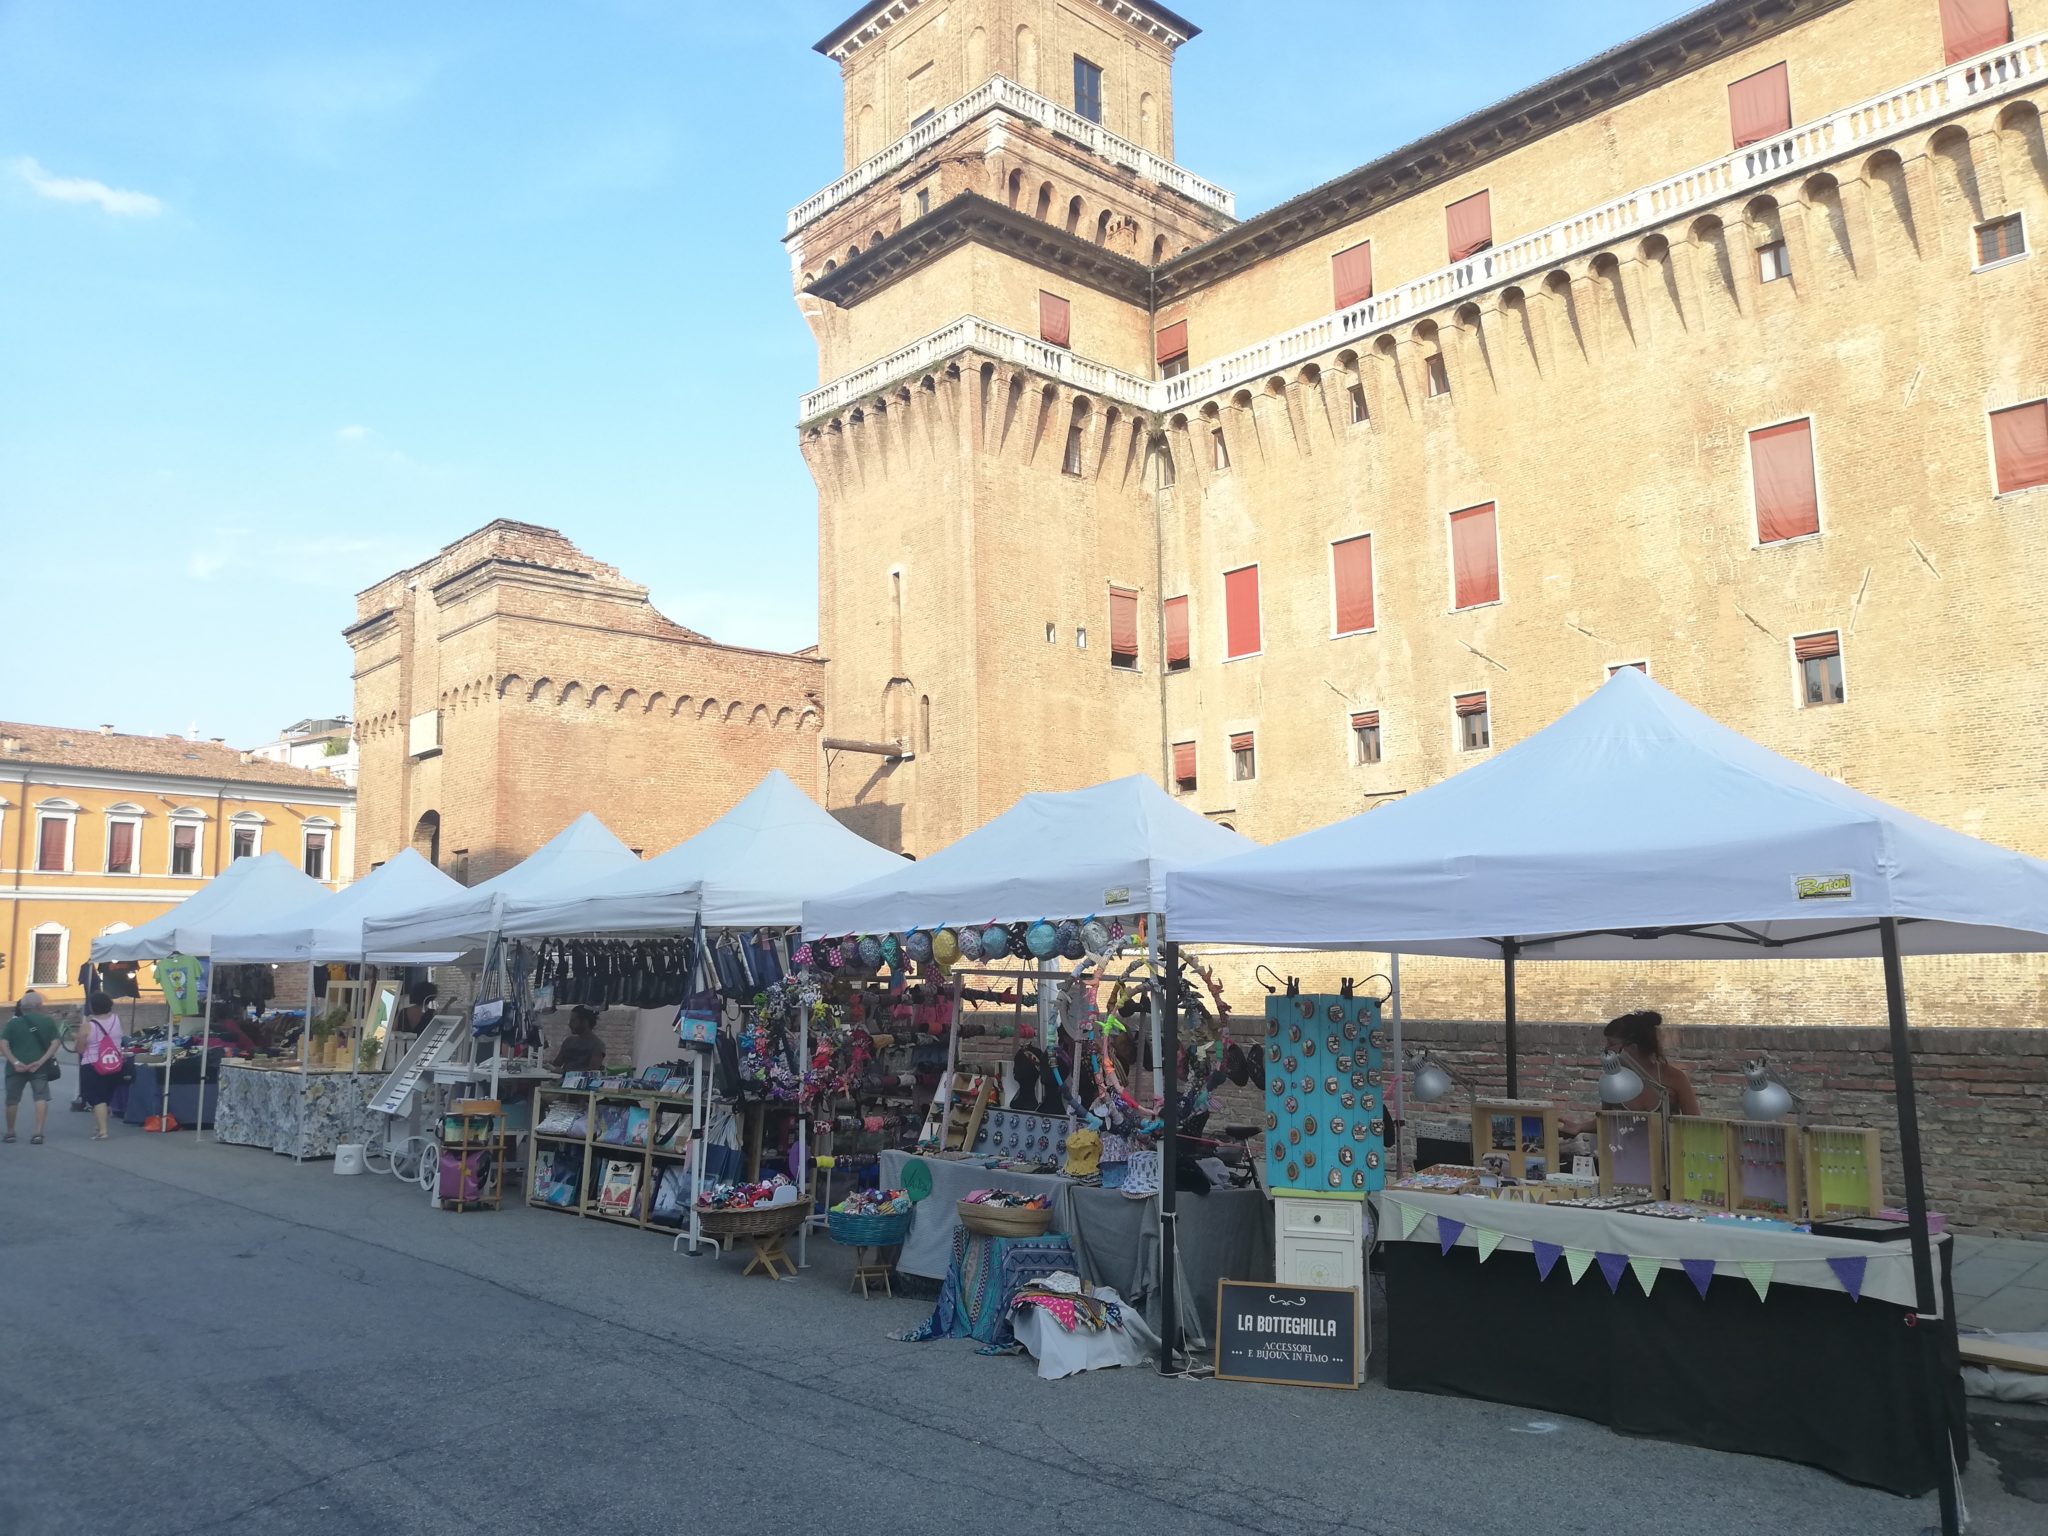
29,1043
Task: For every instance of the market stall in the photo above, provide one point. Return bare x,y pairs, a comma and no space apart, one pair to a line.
1636,828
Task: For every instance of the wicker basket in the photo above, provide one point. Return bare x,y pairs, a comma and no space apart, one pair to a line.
1005,1221
858,1230
759,1221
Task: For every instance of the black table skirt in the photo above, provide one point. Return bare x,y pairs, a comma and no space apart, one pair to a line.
1804,1375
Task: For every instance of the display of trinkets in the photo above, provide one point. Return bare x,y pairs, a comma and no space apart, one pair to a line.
1442,1179
1023,1134
1843,1174
1325,1106
1671,1210
1767,1172
1604,1203
1515,1138
1631,1150
1702,1162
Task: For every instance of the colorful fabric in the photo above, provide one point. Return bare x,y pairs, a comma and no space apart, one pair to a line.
985,1276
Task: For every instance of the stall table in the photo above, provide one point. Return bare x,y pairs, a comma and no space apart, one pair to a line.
144,1097
1805,1371
1226,1234
983,1275
928,1247
293,1113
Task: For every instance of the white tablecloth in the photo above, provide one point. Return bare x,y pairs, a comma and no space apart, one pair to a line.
1796,1258
1060,1353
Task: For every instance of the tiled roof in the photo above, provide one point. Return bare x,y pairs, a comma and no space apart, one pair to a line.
58,746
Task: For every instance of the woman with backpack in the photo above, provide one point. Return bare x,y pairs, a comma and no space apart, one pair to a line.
102,1062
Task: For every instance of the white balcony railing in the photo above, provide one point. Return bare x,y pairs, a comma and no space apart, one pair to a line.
1862,126
971,333
1000,95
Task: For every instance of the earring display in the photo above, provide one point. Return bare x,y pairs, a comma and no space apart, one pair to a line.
1022,1134
1515,1138
1767,1168
1631,1150
1702,1162
1844,1176
1326,1132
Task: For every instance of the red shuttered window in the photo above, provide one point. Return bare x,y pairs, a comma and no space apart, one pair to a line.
1173,341
1241,612
1475,557
1055,320
1971,27
1781,471
1184,765
1177,652
1351,274
120,847
53,840
1468,225
1123,627
1351,574
1760,106
2019,445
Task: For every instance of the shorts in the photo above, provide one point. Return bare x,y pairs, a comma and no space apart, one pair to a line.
37,1085
95,1088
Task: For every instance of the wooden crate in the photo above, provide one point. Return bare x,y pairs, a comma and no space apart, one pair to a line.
1701,1161
1631,1152
1516,1138
1844,1173
1768,1175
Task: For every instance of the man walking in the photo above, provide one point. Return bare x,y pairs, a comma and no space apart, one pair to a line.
29,1042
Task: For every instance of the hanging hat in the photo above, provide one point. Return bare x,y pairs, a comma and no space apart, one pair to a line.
1116,930
1068,936
870,951
995,942
835,955
1095,936
1013,941
1042,939
945,946
970,943
802,957
1141,1178
891,950
918,945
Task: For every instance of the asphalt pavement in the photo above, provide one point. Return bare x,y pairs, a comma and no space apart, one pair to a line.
209,1339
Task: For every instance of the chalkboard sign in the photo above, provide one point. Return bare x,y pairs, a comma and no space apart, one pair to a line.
1288,1335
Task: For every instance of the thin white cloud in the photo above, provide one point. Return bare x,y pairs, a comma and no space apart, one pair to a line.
206,564
117,201
354,432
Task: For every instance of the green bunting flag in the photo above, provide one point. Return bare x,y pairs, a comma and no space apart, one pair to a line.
1577,1260
1759,1272
1646,1272
1488,1241
1411,1218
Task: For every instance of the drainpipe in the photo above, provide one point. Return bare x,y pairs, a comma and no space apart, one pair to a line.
20,886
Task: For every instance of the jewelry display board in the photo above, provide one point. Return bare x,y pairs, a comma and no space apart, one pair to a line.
1632,1153
1325,1107
1022,1133
1843,1174
1702,1171
1767,1168
1515,1138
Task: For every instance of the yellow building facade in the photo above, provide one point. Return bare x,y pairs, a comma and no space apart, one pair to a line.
101,831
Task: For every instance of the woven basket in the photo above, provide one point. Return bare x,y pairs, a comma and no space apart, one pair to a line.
1004,1221
760,1221
867,1230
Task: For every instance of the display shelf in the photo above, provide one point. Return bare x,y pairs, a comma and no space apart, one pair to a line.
473,1139
594,1152
1515,1138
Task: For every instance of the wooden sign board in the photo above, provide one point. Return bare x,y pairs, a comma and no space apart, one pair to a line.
1286,1335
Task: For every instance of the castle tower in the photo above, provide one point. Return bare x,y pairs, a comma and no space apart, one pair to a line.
987,501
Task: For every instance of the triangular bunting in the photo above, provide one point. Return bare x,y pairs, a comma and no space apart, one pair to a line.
1699,1272
1576,1260
1759,1272
1411,1218
1646,1272
1611,1265
1447,1232
1546,1256
1850,1272
1487,1241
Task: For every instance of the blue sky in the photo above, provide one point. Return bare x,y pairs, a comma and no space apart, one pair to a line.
293,293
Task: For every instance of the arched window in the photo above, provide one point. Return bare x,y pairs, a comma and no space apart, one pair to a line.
245,835
426,837
186,859
124,839
49,955
1074,216
56,829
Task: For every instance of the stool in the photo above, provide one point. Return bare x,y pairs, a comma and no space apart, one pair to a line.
866,1273
770,1255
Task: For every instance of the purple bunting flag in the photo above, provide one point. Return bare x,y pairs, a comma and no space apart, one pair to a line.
1850,1272
1447,1233
1612,1265
1546,1255
1699,1272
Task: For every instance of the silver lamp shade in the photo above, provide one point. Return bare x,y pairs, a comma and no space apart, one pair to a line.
1765,1098
1432,1082
1619,1082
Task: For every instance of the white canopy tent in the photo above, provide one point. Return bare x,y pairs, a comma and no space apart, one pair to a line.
583,851
1636,828
1102,850
330,927
753,867
247,891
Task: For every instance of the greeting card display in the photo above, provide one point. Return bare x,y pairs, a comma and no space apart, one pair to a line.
1325,1099
1515,1138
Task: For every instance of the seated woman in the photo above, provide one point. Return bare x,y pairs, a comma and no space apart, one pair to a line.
580,1050
1666,1087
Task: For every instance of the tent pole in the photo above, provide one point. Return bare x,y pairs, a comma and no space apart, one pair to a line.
1400,1094
1929,1322
1508,947
803,1140
205,1042
1169,1159
1152,926
305,1058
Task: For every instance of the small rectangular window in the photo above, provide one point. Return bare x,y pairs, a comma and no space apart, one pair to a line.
1971,27
1081,637
1627,666
46,968
1356,395
1123,628
1169,472
2019,446
1177,651
1468,225
1475,557
920,120
1184,767
1759,106
1055,320
1365,736
1244,758
2001,240
245,842
53,844
120,847
1781,476
924,201
1241,612
1070,462
184,848
1772,262
1351,275
1475,722
1088,89
1437,375
1820,668
1219,450
316,855
1351,583
1174,366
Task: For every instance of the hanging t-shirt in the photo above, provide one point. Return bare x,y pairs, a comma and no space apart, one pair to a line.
179,978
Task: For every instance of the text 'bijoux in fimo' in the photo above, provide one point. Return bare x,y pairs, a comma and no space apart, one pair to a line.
1314,1327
